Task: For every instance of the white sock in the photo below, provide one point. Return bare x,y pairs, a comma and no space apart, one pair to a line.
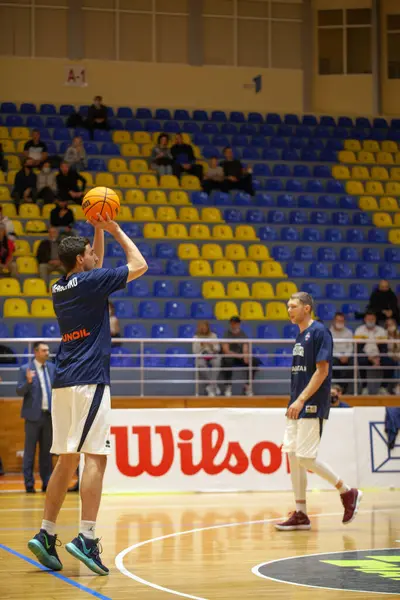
298,475
301,506
323,470
49,526
87,528
343,488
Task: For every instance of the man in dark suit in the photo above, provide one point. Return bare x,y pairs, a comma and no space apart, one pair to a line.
34,384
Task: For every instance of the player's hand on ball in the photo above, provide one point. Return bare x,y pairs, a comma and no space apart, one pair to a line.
107,224
295,409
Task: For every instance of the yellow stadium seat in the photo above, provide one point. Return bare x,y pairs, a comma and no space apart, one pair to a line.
285,289
46,210
146,150
27,265
272,269
347,157
130,150
262,290
117,165
126,180
9,210
379,173
20,133
22,247
135,197
121,137
396,221
9,287
200,268
395,174
178,197
78,212
35,226
20,146
368,203
248,268
389,146
11,176
212,252
18,227
186,138
392,188
238,290
188,251
189,213
224,268
119,194
213,289
88,177
143,213
177,231
387,203
105,179
147,181
29,211
157,197
352,145
14,161
15,307
199,232
245,232
235,252
169,181
4,133
366,158
276,311
225,310
4,194
137,165
251,311
2,177
124,213
394,236
43,308
211,215
371,146
359,173
8,146
354,188
384,158
382,219
153,231
190,182
142,137
166,213
340,172
374,188
35,287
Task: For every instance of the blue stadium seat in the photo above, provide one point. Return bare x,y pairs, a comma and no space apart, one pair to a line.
164,289
48,109
133,125
327,202
263,199
152,126
298,217
327,121
380,123
388,271
363,123
243,199
291,119
115,251
285,131
210,128
349,254
351,308
342,133
25,330
392,255
139,288
355,236
359,134
281,170
165,250
268,332
328,156
66,109
96,164
51,147
377,236
239,140
274,185
201,198
320,217
362,218
310,120
201,310
308,154
290,331
295,269
133,230
322,132
210,152
4,333
273,119
201,139
286,201
135,330
348,202
100,135
152,358
301,171
233,215
341,218
345,122
358,291
9,107
311,234
180,114
304,253
27,108
245,129
298,143
279,142
252,153
327,254
218,116
276,216
175,360
365,271
115,124
62,133
314,289
326,311
316,144
290,155
319,270
83,110
342,271
155,267
83,133
83,229
270,154
125,112
283,253
50,330
146,249
187,331
14,121
395,124
334,187
267,234
177,268
371,255
322,171
143,113
333,235
220,140
34,122
334,146
262,354
306,201
123,309
148,309
255,117
254,216
283,357
290,234
122,357
111,149
44,134
55,123
163,114
162,330
219,329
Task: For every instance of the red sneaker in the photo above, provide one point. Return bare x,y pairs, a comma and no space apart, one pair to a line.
297,521
351,501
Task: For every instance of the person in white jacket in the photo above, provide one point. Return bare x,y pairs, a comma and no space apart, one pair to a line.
343,351
208,357
75,155
372,346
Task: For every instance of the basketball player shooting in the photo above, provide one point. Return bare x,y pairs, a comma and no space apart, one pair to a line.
81,401
310,401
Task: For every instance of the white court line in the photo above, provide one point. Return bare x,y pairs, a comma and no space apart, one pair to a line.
119,560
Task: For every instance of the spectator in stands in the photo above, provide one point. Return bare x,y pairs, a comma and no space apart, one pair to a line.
383,302
47,256
213,178
370,348
7,247
24,189
208,358
8,224
97,116
62,217
35,150
68,184
236,177
46,184
236,355
393,356
161,157
114,324
3,160
184,159
336,397
343,350
75,155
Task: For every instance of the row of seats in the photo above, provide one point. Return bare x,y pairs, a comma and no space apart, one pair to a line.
384,158
373,188
326,270
364,173
372,146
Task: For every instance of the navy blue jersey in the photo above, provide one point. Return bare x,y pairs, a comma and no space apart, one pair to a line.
313,345
81,306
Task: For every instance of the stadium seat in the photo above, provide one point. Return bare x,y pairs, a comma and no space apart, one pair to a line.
276,311
166,213
248,268
190,289
368,203
262,290
222,232
335,291
290,234
371,255
27,265
281,253
34,287
138,288
304,253
326,311
213,289
356,188
199,232
175,310
251,310
211,215
238,290
349,254
319,270
162,330
148,309
43,308
190,182
10,287
225,310
200,268
201,310
224,268
212,252
178,197
392,188
382,219
258,252
176,231
153,230
285,289
341,172
272,270
188,251
268,331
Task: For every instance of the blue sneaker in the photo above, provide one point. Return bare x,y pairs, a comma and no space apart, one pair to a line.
88,551
43,546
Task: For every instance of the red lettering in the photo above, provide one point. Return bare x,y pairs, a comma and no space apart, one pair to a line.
145,464
275,457
75,335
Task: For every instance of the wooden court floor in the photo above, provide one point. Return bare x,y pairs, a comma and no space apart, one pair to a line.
207,546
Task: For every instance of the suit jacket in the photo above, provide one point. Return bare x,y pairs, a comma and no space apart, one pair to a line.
32,392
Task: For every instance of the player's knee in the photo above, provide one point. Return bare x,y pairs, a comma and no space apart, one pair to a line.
306,463
68,461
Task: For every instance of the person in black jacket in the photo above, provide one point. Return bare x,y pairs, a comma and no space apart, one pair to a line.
47,256
24,189
62,217
97,116
184,159
68,184
236,177
383,302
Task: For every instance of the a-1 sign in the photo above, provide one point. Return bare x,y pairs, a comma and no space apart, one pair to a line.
76,76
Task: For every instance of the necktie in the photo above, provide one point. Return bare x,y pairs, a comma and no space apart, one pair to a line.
48,385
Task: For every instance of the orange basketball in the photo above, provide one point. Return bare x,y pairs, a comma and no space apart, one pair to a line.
101,200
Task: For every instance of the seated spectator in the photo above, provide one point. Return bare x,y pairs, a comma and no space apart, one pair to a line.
75,155
236,355
47,256
7,264
3,160
97,116
393,356
343,351
184,159
46,184
236,177
114,325
383,302
24,189
35,150
8,224
213,178
62,217
68,184
336,397
161,157
370,350
208,358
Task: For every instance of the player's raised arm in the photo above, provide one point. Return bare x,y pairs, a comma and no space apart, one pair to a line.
98,246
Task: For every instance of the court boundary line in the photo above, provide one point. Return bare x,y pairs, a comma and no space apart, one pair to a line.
79,586
119,559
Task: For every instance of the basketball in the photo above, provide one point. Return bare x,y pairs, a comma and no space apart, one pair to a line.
101,200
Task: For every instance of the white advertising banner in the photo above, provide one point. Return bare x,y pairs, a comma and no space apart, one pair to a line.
216,450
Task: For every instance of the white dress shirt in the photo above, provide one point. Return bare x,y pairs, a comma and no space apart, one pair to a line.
40,375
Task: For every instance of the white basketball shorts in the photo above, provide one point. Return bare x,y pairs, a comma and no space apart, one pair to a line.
302,437
81,419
